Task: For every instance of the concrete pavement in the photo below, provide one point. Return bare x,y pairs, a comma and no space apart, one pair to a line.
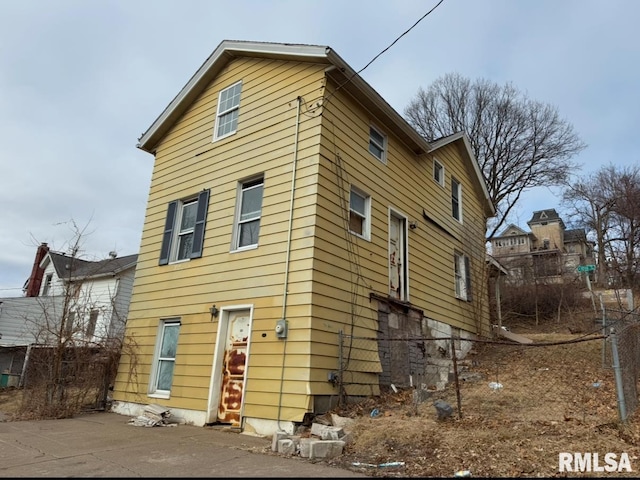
104,444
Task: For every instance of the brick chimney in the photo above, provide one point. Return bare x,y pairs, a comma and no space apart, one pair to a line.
35,280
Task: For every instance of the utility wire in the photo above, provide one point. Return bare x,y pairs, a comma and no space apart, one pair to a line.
390,45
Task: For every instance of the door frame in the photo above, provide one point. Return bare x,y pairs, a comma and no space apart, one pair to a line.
404,240
215,383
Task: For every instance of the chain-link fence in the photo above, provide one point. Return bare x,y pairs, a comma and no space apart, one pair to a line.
625,345
555,378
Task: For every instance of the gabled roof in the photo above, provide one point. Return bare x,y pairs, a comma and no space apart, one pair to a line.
337,69
72,268
510,231
548,215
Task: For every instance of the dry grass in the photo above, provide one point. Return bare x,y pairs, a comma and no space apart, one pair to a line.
548,404
10,401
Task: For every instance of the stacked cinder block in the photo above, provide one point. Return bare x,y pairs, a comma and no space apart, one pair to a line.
325,441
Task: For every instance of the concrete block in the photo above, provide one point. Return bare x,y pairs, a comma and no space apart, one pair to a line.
286,446
326,449
326,432
305,446
277,436
342,422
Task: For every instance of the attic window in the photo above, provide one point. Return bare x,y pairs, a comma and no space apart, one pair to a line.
228,110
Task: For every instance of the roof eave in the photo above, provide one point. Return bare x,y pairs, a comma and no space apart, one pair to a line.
225,51
322,54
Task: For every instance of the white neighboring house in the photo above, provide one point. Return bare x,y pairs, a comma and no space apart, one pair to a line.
97,296
99,292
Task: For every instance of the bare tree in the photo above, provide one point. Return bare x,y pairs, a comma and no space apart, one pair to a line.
72,362
519,143
589,202
624,248
607,203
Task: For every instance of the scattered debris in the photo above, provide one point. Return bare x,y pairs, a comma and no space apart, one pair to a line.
375,413
462,473
153,415
495,386
379,465
502,332
443,409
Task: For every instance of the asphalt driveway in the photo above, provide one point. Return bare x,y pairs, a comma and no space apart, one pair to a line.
104,444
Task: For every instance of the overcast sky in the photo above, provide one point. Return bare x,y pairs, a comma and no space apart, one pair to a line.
80,81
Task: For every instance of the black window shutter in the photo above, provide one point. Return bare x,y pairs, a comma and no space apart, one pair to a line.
165,251
201,220
467,272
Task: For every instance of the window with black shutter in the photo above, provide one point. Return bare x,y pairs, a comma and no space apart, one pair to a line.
185,224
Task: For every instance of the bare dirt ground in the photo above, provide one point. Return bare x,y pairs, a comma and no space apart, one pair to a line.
553,399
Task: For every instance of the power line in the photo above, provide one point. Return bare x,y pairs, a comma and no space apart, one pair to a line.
383,51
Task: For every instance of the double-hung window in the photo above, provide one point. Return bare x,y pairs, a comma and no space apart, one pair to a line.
184,229
377,144
228,110
47,284
165,358
456,199
360,213
248,213
462,276
438,172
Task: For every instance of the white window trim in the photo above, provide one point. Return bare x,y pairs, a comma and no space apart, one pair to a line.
47,284
366,226
222,113
236,221
155,368
177,233
439,181
459,217
382,147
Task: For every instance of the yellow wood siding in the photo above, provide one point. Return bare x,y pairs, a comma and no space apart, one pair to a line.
405,184
329,280
187,160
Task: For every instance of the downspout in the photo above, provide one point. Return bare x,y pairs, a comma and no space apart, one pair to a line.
288,254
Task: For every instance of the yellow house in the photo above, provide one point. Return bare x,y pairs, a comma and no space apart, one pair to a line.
290,204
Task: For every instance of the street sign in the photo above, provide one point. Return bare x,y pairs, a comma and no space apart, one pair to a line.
586,268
